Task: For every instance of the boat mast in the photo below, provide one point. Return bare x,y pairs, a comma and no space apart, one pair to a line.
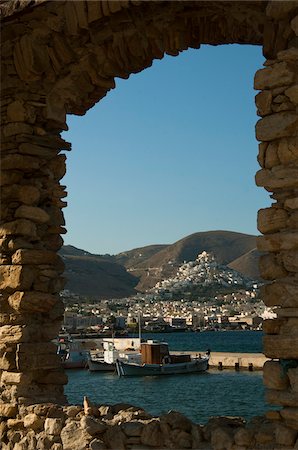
140,327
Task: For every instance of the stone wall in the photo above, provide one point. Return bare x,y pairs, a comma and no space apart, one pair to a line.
62,57
121,427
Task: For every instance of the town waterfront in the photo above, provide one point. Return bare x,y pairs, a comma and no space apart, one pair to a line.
198,396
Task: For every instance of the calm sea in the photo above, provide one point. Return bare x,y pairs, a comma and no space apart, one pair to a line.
198,396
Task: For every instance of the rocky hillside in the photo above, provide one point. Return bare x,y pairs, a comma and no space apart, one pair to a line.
104,276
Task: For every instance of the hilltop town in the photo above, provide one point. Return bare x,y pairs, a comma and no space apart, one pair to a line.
203,295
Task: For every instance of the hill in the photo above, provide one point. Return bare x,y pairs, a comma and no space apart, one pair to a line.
247,264
226,246
115,276
96,276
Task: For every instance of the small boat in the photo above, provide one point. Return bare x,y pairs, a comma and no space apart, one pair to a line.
106,361
156,360
72,354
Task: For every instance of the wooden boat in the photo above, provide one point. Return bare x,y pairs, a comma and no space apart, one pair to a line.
156,360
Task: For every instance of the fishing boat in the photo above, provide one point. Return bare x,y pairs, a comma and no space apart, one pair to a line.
113,350
156,360
72,354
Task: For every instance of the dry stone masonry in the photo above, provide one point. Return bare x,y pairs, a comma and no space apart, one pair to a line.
61,57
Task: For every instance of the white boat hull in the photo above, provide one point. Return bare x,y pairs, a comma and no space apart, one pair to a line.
100,366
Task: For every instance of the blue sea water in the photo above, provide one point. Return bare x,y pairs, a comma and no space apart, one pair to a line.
198,396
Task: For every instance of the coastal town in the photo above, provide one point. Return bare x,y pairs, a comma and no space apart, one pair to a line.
202,296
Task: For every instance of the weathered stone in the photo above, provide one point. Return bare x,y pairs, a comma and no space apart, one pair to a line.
15,378
291,203
294,25
244,436
32,213
288,150
292,93
277,177
265,434
293,377
278,241
8,410
177,420
280,9
273,415
21,162
53,426
16,277
271,220
285,436
290,260
282,292
24,193
151,434
32,301
276,126
222,438
115,438
274,376
97,444
17,128
285,347
263,102
290,415
33,421
272,326
274,76
74,437
92,426
21,226
290,55
72,410
270,268
28,256
16,111
133,428
285,398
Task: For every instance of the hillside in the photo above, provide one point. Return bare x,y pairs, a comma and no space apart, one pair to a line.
247,264
112,276
96,276
226,246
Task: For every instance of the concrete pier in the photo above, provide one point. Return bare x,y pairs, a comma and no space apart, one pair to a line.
237,361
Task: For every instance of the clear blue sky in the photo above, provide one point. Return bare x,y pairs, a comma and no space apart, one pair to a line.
169,152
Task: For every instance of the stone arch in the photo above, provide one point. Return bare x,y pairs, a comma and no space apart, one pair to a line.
61,58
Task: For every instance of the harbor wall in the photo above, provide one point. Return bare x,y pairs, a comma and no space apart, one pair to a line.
252,361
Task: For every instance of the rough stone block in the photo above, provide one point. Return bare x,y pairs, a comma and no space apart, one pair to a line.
281,293
14,277
290,260
22,227
263,102
16,111
288,150
284,398
285,436
20,162
72,436
32,301
271,220
292,93
32,213
293,377
276,126
34,422
290,415
53,426
15,378
278,241
285,347
41,257
273,76
274,376
270,268
8,410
